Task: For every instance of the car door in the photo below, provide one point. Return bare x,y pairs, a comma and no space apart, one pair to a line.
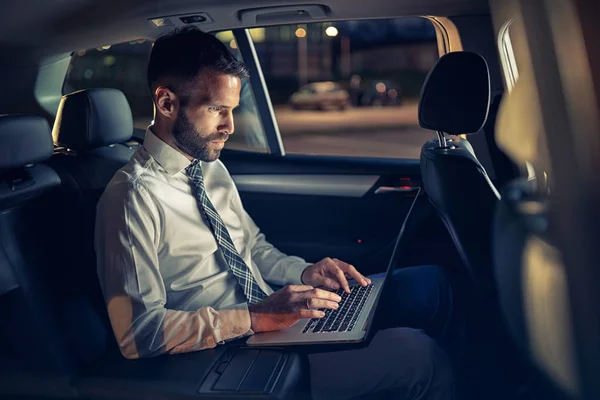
316,206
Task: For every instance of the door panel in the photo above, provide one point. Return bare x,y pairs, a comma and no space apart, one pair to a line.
317,207
308,185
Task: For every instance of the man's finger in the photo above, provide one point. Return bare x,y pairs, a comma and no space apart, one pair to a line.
323,294
310,314
313,303
338,274
298,288
327,282
350,270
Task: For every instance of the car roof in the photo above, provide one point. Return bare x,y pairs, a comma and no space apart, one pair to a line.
58,26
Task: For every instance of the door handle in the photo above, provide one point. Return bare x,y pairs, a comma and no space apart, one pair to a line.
396,189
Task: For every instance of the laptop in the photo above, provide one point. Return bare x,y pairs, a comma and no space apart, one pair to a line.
350,323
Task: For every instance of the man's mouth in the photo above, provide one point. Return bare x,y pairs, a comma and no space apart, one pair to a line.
221,139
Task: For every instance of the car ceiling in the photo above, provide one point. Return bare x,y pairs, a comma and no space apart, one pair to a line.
47,27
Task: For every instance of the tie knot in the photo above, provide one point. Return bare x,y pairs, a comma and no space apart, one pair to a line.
194,169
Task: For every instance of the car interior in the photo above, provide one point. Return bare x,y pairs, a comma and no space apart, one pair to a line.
510,205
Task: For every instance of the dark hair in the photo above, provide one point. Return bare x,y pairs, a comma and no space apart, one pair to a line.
181,54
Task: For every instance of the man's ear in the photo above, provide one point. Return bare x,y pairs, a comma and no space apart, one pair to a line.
167,103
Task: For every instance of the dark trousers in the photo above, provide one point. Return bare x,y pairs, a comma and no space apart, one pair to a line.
407,357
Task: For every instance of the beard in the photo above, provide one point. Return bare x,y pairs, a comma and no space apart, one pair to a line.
192,142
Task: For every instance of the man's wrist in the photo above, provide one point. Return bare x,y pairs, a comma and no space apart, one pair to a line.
302,275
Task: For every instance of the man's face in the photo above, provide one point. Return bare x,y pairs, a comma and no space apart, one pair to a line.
205,120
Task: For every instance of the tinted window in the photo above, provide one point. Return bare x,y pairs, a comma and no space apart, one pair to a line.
349,88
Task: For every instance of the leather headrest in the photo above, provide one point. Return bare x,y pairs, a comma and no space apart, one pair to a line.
24,140
93,118
455,98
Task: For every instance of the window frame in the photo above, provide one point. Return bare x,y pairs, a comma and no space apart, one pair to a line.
507,56
266,114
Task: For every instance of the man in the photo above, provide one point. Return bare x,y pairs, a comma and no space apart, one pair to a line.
183,267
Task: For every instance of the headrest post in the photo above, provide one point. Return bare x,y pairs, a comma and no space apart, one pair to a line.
441,139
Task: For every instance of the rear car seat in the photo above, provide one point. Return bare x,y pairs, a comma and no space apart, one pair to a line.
455,100
90,132
48,328
55,339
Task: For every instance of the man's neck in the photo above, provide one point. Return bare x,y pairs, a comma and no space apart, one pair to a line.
165,134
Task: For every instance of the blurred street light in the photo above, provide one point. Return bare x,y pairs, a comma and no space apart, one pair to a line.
300,32
331,31
233,44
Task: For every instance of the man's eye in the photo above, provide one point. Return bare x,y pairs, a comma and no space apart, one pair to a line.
215,109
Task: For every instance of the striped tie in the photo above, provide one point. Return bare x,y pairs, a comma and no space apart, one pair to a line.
239,268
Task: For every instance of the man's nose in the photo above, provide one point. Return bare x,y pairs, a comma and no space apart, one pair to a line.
227,124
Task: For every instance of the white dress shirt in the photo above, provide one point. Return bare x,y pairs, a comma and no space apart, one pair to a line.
167,287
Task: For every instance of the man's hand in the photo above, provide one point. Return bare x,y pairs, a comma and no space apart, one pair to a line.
285,307
332,274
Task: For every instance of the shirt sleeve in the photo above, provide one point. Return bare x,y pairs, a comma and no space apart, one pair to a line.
275,266
126,239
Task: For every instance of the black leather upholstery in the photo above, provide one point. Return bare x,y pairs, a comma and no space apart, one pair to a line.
46,328
88,173
27,183
93,118
25,139
455,98
460,190
85,174
93,123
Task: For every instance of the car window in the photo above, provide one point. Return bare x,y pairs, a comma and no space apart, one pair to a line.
123,66
349,88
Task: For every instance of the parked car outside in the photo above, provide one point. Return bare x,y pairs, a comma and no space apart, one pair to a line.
321,96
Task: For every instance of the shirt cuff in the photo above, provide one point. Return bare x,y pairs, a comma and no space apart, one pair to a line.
294,272
234,322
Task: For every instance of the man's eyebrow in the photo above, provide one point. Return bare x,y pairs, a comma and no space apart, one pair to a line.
224,106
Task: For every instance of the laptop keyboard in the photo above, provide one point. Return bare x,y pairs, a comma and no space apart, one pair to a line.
344,318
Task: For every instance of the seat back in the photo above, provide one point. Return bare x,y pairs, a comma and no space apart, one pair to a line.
532,278
90,133
455,100
50,330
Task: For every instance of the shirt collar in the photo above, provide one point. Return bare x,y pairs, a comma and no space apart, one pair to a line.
172,160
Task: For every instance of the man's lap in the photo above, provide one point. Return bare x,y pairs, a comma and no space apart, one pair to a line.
399,358
403,363
421,297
